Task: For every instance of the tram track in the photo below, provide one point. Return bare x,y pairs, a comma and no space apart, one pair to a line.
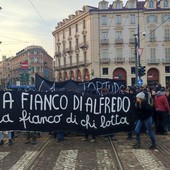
39,151
117,159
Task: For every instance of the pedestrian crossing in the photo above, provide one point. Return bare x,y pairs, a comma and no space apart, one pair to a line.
66,160
69,160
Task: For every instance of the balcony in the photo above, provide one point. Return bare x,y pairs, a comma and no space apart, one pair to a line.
83,45
152,39
119,60
105,60
118,41
166,61
167,39
104,41
132,59
153,61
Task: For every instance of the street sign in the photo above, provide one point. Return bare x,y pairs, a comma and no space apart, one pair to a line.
140,50
140,82
24,65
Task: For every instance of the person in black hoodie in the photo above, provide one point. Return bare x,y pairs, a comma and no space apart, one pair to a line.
144,114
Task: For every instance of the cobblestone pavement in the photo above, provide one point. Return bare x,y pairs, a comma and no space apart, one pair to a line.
75,154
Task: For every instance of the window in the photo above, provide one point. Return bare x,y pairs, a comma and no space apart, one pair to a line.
76,27
167,69
58,48
133,52
77,42
151,4
132,5
105,71
165,3
167,34
70,44
84,38
105,53
118,35
118,5
152,19
166,17
85,57
63,34
64,61
77,58
69,31
132,70
104,20
167,54
84,24
152,35
153,54
104,6
119,52
104,36
118,19
132,18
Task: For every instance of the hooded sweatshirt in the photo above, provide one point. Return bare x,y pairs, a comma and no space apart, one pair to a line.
161,102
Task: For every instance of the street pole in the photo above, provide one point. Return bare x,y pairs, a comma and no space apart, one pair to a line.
138,38
136,61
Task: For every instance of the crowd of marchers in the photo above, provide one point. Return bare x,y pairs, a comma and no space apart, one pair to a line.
151,115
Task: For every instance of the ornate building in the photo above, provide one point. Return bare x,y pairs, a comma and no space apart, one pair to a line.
21,69
100,42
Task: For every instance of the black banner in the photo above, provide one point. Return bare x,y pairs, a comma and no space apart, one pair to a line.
69,111
96,84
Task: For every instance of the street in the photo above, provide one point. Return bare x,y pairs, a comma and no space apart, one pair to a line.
75,154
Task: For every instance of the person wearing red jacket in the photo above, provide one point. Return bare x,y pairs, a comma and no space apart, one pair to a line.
162,108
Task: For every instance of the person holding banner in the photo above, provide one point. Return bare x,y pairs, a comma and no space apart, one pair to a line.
144,115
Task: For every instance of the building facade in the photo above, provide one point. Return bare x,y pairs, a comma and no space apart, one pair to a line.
21,69
100,42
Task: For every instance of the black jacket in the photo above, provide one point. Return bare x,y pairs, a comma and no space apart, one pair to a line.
144,111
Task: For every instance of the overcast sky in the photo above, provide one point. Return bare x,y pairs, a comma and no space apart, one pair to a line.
31,22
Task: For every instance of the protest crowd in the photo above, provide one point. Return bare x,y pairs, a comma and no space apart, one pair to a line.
151,116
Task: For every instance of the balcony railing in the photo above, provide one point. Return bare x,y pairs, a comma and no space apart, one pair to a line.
131,41
118,41
104,60
104,41
166,61
153,61
167,39
119,59
152,39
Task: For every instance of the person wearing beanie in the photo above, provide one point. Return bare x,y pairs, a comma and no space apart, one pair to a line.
144,115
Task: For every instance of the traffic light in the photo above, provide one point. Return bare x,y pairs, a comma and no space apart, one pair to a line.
141,71
21,76
27,76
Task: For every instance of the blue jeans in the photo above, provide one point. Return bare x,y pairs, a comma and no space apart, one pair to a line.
148,125
2,135
60,135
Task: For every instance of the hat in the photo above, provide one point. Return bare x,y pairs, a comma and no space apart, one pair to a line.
132,88
141,95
